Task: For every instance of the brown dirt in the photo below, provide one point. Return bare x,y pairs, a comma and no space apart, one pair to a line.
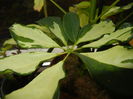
78,84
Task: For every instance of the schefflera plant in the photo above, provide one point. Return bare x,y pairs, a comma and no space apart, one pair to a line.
111,67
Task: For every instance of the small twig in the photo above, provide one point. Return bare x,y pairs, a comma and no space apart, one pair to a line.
66,56
93,10
45,9
59,7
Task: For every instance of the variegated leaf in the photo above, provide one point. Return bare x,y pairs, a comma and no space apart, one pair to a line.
121,35
27,37
43,86
96,31
24,63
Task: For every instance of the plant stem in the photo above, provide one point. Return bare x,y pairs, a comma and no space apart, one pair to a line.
45,9
93,10
118,24
59,7
66,56
113,4
78,49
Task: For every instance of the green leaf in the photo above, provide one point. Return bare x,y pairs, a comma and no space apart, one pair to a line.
109,69
49,21
116,9
43,86
24,63
84,18
113,56
128,61
42,28
27,37
47,31
83,4
9,42
38,4
97,31
55,26
71,26
83,14
121,35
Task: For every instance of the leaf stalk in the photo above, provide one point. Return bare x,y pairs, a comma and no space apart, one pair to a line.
58,6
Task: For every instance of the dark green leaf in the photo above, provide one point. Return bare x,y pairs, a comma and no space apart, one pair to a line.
55,26
71,26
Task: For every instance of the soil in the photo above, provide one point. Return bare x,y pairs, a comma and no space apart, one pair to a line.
78,84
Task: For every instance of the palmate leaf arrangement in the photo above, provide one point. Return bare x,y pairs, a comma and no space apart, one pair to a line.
112,67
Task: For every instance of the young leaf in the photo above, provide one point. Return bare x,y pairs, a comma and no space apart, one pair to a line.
121,35
24,63
116,9
112,68
55,26
83,4
82,13
9,42
97,31
84,19
27,37
71,26
43,86
38,4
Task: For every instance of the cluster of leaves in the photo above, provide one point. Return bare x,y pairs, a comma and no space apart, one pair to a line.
109,66
83,9
8,44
